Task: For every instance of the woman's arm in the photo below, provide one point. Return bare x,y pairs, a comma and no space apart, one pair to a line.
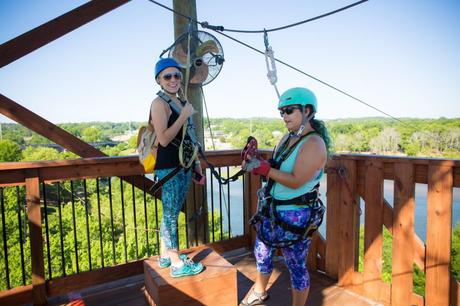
160,112
311,158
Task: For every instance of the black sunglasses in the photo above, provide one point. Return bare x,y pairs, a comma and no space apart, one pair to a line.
168,76
288,110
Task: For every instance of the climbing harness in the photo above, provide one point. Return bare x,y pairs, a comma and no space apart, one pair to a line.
266,206
188,146
270,62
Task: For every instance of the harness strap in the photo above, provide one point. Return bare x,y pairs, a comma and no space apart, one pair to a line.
307,198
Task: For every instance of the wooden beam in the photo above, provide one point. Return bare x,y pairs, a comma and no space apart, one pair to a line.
56,134
38,124
47,32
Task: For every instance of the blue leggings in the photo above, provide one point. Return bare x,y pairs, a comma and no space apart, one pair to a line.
172,197
295,255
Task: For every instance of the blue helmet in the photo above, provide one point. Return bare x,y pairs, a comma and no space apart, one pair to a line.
164,63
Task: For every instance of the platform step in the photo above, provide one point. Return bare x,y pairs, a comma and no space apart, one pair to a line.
216,284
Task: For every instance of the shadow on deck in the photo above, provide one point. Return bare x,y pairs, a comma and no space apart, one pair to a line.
130,291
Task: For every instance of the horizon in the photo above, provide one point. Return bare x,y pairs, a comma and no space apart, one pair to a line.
255,118
396,56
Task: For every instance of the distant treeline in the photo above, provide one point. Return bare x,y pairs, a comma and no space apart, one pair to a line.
405,136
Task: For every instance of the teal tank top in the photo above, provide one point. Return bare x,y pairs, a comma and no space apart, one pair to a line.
281,192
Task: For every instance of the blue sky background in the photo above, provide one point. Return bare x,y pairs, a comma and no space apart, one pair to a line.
400,56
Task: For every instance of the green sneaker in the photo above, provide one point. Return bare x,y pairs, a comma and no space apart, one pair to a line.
188,269
165,262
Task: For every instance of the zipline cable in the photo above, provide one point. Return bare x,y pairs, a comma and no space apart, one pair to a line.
219,30
205,24
289,25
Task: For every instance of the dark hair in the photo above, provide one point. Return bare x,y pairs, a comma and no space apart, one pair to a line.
320,127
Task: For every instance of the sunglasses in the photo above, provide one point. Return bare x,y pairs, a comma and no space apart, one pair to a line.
288,110
169,76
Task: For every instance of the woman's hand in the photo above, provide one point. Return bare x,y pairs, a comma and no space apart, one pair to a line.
187,110
197,175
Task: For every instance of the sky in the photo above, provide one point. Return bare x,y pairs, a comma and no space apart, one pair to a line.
402,57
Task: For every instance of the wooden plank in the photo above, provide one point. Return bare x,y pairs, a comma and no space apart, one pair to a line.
403,234
388,216
46,33
36,240
74,282
230,244
438,237
420,250
312,256
16,296
332,219
321,247
255,184
454,292
373,226
349,226
217,282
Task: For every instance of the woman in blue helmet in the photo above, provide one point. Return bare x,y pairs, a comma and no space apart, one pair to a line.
168,126
293,176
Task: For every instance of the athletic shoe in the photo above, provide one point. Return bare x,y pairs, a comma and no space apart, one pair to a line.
165,262
189,268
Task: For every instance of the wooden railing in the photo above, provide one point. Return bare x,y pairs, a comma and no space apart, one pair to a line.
349,178
354,177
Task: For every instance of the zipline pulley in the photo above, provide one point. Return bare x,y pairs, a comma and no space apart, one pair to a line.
270,62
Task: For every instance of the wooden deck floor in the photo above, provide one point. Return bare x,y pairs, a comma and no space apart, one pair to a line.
130,291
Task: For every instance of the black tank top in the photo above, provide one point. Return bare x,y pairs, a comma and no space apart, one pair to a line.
168,157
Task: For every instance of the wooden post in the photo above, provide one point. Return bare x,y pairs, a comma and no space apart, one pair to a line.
438,235
197,202
332,220
349,227
403,234
373,226
36,239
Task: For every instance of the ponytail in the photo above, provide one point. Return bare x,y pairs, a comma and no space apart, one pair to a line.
320,127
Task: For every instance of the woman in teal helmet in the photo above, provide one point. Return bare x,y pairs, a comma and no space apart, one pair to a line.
168,125
290,205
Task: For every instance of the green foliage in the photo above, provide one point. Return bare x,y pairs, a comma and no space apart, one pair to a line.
92,134
40,153
118,226
455,258
9,151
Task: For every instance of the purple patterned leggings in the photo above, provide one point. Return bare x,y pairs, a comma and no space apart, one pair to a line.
295,255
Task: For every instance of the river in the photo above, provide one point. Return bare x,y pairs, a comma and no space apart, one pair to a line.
236,206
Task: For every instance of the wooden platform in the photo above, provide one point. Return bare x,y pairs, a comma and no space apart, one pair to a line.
324,291
216,283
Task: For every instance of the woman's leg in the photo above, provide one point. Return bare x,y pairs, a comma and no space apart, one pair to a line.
173,196
295,256
263,255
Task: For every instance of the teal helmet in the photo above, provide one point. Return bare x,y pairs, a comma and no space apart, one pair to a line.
298,96
164,63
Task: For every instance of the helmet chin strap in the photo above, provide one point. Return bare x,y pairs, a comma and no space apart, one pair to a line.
305,119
